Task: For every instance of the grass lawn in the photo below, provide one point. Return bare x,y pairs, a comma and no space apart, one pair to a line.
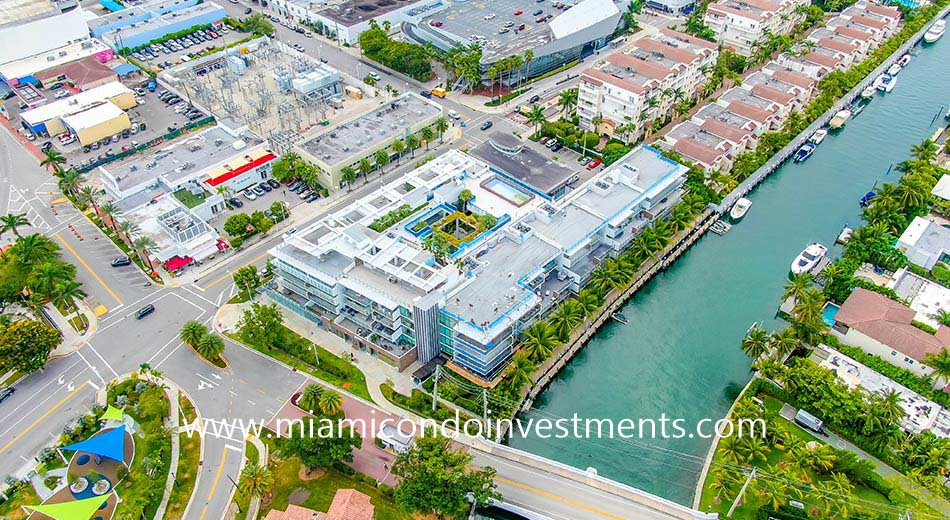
252,456
12,508
320,491
78,323
186,476
187,409
189,199
332,369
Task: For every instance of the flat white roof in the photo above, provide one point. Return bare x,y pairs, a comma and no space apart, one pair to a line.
74,104
52,58
93,116
914,231
581,16
942,189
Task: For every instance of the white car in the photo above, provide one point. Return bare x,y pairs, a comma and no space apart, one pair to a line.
60,94
489,16
249,195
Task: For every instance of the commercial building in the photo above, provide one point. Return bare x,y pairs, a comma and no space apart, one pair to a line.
525,163
745,24
346,144
884,328
367,272
140,24
33,27
557,36
344,21
30,68
673,7
84,74
624,91
50,119
926,241
96,123
199,164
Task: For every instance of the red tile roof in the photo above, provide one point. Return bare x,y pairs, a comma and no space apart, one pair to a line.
350,504
751,111
870,22
772,94
650,70
697,151
794,78
822,59
293,512
889,322
81,72
836,45
724,130
890,12
851,32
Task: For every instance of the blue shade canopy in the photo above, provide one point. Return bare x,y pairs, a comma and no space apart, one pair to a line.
111,5
110,444
124,69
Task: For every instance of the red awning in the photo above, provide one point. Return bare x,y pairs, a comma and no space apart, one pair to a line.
176,262
222,245
241,169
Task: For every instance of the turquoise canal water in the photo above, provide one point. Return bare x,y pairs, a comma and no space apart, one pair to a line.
679,354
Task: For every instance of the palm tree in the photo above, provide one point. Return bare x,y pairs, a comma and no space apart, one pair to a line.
756,343
382,159
34,249
540,340
46,277
680,218
925,152
145,246
127,229
310,398
365,167
192,332
772,491
784,342
798,285
589,301
566,317
399,146
87,197
755,448
11,222
412,142
889,406
210,347
441,125
53,160
536,116
730,450
520,370
109,213
940,363
331,402
69,182
427,135
67,293
256,480
567,100
349,175
611,275
808,321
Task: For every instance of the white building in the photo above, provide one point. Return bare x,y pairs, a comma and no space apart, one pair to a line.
744,24
925,242
344,21
625,89
32,27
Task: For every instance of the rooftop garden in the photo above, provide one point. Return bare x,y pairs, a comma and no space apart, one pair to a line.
189,199
393,217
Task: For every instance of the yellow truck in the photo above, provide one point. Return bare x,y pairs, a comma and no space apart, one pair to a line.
438,91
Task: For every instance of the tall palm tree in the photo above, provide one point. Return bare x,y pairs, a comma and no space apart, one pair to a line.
808,321
70,181
87,197
940,363
399,146
382,159
46,277
798,285
53,160
756,343
12,222
365,167
34,249
890,406
520,370
783,342
127,229
540,340
566,317
536,116
925,152
310,397
331,402
612,274
349,175
441,125
589,301
567,100
256,480
427,133
210,347
66,294
192,332
109,212
412,142
145,246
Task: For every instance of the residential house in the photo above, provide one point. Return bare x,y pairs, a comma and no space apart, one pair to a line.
926,241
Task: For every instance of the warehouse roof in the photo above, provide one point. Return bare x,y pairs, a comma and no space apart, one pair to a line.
74,104
93,116
81,72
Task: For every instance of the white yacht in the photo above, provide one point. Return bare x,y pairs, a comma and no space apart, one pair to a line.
888,83
894,69
818,136
869,92
808,258
739,209
839,119
904,60
936,31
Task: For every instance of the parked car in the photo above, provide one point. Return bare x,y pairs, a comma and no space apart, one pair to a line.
46,146
584,160
273,184
534,99
539,12
121,261
293,185
62,94
258,190
6,392
249,195
235,202
557,146
312,197
144,311
425,94
593,164
266,187
306,193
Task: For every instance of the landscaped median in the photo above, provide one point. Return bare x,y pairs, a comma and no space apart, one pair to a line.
189,455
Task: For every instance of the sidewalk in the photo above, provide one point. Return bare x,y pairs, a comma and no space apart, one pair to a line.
72,340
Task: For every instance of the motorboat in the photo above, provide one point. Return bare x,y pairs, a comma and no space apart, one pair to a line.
878,81
818,136
857,107
845,236
739,209
894,69
936,31
805,152
808,258
888,83
867,198
904,60
839,119
869,92
619,318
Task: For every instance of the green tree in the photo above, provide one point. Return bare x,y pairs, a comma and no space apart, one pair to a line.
365,167
399,146
412,142
756,343
520,370
567,100
310,398
382,159
798,285
536,116
237,224
258,25
53,160
46,277
331,402
322,451
427,135
464,197
940,363
33,249
247,280
441,125
566,317
349,175
192,332
540,340
66,294
261,222
69,182
210,347
262,324
145,246
256,480
437,479
25,345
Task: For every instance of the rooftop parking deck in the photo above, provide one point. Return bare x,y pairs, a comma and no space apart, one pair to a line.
524,161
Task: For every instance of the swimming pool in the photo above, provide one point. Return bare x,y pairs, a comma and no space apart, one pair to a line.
828,314
507,191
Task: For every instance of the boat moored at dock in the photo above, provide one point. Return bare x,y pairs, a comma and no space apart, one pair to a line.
805,152
839,119
808,258
818,136
888,83
739,209
936,31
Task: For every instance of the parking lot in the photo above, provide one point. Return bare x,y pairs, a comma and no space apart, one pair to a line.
174,52
260,203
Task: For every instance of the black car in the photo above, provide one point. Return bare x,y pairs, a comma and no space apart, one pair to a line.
121,261
486,125
312,197
273,184
425,94
534,99
556,147
266,187
300,188
6,392
248,10
144,311
294,185
46,146
235,203
539,12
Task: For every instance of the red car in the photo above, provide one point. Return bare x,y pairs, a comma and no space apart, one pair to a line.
518,12
593,164
541,20
437,24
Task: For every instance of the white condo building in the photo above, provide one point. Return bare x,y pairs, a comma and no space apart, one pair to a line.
743,24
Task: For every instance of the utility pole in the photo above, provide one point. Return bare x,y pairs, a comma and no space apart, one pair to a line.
435,387
735,503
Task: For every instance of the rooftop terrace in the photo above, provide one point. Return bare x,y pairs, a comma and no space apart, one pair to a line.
523,161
